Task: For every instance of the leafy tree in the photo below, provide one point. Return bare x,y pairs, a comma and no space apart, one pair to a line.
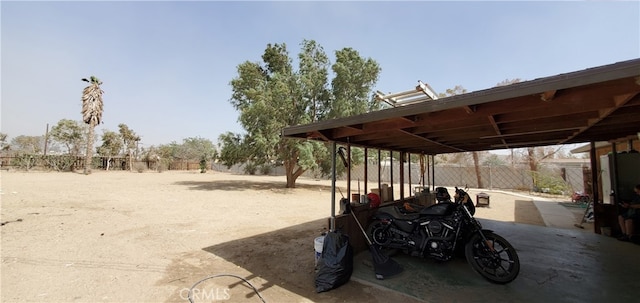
28,144
4,145
152,155
129,141
167,152
314,75
198,149
271,95
231,149
111,145
191,149
353,83
92,107
71,134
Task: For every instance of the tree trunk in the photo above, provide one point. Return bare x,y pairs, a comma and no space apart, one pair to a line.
89,154
531,158
292,175
533,166
476,163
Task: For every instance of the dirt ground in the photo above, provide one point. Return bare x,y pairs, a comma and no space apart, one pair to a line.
149,237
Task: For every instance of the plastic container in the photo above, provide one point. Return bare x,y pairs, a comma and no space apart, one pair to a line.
317,245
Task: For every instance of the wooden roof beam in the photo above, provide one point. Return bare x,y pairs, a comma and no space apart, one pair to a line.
619,101
527,144
492,120
531,133
430,141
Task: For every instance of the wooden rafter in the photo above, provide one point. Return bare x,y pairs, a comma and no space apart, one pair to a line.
492,120
430,141
619,101
530,133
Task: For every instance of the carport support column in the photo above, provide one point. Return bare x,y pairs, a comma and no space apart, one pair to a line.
391,174
349,172
332,226
402,160
366,170
433,173
379,174
594,186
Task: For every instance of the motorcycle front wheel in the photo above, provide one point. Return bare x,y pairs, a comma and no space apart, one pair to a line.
494,259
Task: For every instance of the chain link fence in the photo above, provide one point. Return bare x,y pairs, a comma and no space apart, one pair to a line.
555,178
562,177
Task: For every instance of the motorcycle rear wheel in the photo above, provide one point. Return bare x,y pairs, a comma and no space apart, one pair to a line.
379,233
496,260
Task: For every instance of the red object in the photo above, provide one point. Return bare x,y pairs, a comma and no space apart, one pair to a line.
374,200
579,197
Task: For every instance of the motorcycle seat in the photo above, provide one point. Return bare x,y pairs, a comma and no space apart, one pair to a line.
395,212
440,209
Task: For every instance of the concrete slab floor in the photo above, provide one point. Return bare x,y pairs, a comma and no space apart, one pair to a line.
557,265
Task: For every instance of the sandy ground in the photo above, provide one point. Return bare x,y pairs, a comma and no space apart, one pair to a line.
148,237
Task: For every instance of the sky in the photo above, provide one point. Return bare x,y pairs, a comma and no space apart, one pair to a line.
166,66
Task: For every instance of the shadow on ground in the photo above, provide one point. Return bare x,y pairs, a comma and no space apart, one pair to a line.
286,258
244,185
555,263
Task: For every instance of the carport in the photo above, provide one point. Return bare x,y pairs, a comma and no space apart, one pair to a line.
587,106
596,104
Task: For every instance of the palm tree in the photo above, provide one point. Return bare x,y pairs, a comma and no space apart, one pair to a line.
91,114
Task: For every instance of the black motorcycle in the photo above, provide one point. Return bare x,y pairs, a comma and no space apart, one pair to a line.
443,229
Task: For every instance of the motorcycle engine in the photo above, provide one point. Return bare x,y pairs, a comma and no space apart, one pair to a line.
437,228
439,239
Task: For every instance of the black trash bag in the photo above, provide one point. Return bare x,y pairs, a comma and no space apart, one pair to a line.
336,263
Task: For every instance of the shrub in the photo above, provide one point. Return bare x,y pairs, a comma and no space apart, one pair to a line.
139,167
59,163
265,169
250,168
546,182
203,166
24,161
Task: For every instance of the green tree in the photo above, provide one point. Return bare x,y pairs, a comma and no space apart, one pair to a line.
4,145
271,95
314,75
167,154
71,134
198,149
111,145
353,83
152,156
231,149
92,107
28,144
129,140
